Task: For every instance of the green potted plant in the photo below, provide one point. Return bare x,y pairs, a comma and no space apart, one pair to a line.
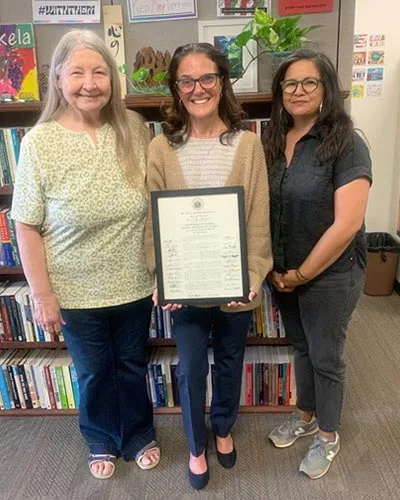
140,79
278,37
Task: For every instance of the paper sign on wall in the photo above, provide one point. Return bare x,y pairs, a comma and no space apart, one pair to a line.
66,11
288,7
244,8
161,10
114,37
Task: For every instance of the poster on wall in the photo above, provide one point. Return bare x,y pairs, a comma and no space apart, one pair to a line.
114,37
368,65
18,69
288,7
66,11
140,11
241,8
222,34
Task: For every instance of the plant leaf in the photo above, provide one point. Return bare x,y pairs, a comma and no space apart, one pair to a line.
140,75
159,77
242,38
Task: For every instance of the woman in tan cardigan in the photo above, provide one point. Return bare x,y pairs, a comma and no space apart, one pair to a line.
204,146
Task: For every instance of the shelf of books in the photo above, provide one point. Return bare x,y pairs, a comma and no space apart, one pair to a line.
44,381
37,375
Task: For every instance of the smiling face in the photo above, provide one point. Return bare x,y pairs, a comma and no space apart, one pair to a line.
85,82
201,104
303,105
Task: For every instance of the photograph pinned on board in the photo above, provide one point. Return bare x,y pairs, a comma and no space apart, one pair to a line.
359,58
360,41
358,91
376,41
375,89
376,57
374,74
359,74
222,34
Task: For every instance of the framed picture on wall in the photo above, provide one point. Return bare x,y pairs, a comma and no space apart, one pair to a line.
222,34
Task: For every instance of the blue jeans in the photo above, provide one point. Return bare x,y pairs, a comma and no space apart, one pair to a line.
316,316
108,348
192,327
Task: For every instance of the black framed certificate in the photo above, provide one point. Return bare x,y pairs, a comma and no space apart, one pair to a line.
200,245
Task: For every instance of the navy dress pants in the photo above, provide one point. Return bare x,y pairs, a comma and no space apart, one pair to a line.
108,349
192,327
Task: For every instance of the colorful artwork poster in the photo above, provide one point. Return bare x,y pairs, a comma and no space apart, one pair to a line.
18,70
226,45
140,11
376,57
357,91
375,89
360,41
376,41
374,74
359,74
66,11
359,58
241,8
288,7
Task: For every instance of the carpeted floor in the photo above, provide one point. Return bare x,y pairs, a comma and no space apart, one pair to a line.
45,458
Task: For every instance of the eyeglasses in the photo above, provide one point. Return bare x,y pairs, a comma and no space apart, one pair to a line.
207,81
308,85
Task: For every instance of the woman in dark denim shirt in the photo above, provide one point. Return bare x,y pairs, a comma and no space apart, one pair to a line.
320,174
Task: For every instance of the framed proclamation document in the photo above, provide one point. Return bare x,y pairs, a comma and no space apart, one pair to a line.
200,245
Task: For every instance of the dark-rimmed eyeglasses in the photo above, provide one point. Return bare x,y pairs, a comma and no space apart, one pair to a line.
308,85
207,81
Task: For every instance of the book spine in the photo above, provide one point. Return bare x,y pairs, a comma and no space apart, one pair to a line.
75,385
4,390
49,386
68,387
61,387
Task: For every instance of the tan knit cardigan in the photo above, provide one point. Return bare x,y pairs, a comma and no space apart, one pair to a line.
249,170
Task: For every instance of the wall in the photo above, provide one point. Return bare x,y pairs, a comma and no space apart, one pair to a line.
379,117
167,35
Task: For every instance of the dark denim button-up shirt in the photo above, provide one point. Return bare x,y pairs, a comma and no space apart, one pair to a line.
302,203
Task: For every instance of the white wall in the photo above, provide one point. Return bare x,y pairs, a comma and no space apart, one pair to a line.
379,118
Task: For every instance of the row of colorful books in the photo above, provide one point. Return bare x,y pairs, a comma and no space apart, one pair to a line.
267,379
46,378
10,143
17,322
37,378
16,315
9,253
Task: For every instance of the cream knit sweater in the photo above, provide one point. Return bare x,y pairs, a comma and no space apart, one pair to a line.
248,170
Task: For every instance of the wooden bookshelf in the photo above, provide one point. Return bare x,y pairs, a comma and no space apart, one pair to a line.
257,105
251,341
11,270
157,411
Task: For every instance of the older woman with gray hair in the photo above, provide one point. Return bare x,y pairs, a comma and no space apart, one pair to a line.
80,209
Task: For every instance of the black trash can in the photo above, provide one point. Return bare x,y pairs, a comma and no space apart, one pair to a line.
383,256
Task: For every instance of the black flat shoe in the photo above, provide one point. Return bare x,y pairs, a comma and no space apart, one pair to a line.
198,481
227,460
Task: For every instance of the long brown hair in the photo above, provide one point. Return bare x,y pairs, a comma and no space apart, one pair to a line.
334,125
177,126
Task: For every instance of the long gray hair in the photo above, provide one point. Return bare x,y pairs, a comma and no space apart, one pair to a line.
114,112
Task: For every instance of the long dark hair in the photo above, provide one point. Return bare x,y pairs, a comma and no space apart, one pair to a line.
334,125
177,125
